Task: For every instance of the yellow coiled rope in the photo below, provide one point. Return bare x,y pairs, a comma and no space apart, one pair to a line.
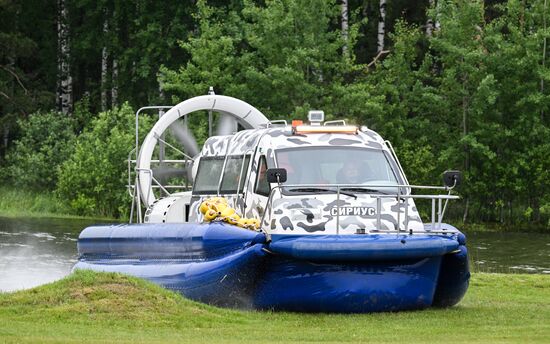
217,209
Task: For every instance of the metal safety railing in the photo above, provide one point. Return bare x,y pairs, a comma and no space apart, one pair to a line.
134,191
134,172
438,207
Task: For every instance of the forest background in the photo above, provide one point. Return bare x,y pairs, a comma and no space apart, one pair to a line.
461,84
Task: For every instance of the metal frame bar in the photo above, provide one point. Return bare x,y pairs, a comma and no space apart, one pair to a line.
135,193
253,159
173,161
160,107
276,122
218,191
136,197
250,162
390,146
338,211
174,148
158,187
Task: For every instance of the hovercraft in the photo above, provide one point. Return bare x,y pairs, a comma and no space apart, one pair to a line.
315,217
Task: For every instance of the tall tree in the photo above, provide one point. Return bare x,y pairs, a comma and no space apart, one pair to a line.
27,63
105,63
544,27
114,83
65,81
344,25
381,26
430,21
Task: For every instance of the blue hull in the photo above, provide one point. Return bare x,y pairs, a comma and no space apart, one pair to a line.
224,265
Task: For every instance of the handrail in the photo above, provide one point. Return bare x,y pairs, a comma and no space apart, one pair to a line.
378,197
160,107
170,161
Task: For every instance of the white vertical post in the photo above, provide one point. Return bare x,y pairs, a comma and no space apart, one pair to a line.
338,210
399,211
378,209
439,212
433,213
406,213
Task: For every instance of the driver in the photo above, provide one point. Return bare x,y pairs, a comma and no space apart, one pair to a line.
351,173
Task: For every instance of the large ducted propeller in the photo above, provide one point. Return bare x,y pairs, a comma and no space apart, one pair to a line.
247,116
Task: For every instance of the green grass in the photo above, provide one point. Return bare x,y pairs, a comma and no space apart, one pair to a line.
92,307
26,203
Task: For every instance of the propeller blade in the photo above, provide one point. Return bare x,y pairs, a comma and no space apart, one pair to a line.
227,125
185,137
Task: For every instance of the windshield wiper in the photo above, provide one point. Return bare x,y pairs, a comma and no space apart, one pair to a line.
364,190
321,190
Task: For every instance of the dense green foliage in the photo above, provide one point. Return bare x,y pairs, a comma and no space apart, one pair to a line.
46,141
472,100
284,58
473,94
462,98
99,307
93,180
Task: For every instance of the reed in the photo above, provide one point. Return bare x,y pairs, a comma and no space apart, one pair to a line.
31,203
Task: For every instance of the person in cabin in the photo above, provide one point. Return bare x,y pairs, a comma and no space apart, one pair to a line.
352,172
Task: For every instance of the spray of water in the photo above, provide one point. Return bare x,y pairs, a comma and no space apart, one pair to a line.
34,253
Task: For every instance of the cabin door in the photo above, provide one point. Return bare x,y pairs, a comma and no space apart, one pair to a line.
258,190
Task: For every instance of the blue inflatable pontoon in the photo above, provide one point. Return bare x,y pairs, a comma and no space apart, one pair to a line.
221,264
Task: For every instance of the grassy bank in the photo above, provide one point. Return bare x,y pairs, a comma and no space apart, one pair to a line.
91,307
25,203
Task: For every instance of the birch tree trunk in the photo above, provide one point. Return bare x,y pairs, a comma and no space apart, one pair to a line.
64,80
114,83
114,67
104,65
381,26
6,136
345,25
430,22
543,56
465,106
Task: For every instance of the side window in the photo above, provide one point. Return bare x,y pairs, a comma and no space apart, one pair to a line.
232,174
208,175
262,186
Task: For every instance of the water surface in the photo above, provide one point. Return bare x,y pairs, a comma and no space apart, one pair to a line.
509,252
37,251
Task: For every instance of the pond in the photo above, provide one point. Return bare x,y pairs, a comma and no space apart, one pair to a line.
37,251
509,252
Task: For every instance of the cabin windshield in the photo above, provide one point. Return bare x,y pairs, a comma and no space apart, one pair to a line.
337,165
